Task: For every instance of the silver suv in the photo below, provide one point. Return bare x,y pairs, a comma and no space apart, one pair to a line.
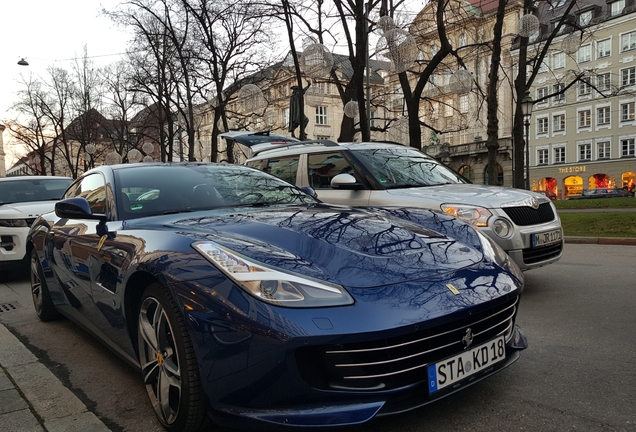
525,224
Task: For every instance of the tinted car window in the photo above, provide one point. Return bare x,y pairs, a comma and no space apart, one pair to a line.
325,166
284,168
35,189
198,187
93,188
396,168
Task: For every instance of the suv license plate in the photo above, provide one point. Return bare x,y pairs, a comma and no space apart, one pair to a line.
546,238
448,372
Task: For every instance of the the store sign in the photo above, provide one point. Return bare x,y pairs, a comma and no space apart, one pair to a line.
572,169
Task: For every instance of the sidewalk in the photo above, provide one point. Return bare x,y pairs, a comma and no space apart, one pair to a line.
32,399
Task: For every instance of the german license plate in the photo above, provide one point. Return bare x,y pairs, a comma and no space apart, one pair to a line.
473,360
546,238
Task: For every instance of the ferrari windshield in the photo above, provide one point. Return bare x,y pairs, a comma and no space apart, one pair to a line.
32,189
399,168
162,189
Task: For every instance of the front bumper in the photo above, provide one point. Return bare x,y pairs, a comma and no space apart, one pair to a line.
12,247
264,365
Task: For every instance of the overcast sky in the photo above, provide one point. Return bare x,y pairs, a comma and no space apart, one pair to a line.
52,32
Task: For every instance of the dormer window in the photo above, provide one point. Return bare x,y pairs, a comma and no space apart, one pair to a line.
616,8
585,18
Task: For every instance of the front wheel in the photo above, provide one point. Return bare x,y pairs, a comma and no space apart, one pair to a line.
168,362
40,292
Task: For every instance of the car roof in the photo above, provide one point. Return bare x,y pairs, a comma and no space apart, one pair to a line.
314,146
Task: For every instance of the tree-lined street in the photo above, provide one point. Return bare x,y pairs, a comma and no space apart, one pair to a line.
577,375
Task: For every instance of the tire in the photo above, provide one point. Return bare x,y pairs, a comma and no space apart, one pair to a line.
40,291
168,362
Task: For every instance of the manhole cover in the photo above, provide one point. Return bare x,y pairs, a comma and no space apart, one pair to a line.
8,307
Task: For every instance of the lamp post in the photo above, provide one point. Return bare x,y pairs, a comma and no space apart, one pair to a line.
526,109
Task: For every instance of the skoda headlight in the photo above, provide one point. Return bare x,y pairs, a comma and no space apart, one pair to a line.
477,216
495,253
274,286
13,223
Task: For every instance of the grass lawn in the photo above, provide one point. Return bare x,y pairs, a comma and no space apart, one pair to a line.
598,224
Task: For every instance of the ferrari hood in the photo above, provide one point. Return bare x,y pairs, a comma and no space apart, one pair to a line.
479,195
354,248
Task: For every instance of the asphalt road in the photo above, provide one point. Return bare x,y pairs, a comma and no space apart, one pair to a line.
579,373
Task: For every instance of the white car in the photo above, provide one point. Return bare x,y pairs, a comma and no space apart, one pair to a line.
22,200
525,224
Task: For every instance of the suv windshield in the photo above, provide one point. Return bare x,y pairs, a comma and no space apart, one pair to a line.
399,168
32,189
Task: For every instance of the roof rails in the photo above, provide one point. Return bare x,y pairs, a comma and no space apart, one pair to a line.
324,142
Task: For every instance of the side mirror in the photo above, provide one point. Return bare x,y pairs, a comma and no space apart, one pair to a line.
345,181
76,208
309,191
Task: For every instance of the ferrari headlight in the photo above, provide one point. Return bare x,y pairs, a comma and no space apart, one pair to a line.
477,216
495,253
13,223
274,286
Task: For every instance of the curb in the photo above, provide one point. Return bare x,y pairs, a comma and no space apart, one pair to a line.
620,241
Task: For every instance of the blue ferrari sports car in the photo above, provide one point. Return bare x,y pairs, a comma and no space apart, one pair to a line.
246,302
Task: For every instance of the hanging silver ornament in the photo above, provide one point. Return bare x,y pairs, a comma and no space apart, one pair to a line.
251,99
461,82
134,156
351,109
571,43
315,95
316,61
147,159
398,47
148,148
528,25
112,158
91,148
386,23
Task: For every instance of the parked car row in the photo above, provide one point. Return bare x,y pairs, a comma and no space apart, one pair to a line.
322,285
602,193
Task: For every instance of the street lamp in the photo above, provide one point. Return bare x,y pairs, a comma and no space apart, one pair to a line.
526,109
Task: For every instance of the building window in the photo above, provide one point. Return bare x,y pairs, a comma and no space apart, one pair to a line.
603,150
542,157
585,53
321,115
462,40
559,93
584,87
542,92
558,60
544,66
585,118
585,18
603,115
448,107
433,50
559,155
628,76
627,111
286,118
616,8
628,41
558,123
463,104
603,82
604,48
542,125
585,152
627,147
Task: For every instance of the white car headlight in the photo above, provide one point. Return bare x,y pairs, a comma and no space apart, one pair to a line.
13,223
274,286
477,216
